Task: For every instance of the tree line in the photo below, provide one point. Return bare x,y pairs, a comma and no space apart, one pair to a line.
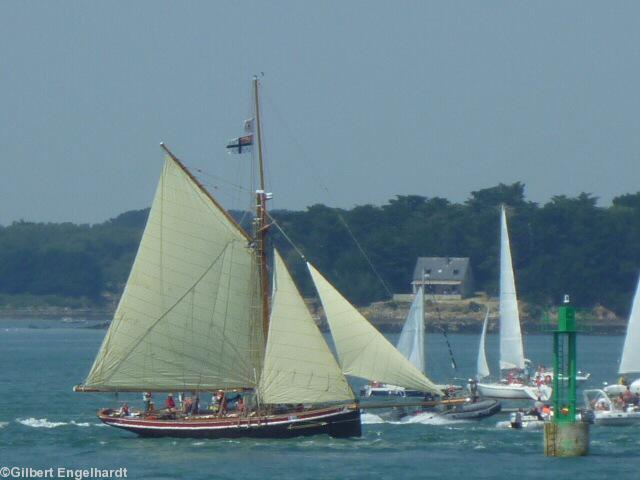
566,245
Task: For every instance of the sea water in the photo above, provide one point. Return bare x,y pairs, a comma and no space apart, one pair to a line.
43,424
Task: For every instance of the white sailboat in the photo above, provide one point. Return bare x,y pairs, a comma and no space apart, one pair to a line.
198,315
482,367
411,344
511,349
630,360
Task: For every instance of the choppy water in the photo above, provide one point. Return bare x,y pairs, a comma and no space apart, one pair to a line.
44,424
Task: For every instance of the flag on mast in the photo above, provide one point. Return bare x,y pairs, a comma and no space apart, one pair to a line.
242,144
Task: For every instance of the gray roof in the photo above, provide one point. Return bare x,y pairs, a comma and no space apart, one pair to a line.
441,268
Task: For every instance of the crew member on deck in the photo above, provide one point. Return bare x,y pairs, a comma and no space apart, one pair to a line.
171,404
240,406
147,397
195,406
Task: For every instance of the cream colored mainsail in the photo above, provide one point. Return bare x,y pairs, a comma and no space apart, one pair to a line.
362,350
298,365
189,317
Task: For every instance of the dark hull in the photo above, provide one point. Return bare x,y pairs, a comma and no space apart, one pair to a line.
475,411
465,411
336,422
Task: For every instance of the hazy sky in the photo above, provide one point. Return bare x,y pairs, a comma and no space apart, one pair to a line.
368,99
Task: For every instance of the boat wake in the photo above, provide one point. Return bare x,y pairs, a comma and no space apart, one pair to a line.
44,423
426,418
40,423
429,418
370,419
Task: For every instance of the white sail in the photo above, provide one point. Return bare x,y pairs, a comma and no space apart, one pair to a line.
482,367
411,341
511,351
299,366
362,350
630,361
189,317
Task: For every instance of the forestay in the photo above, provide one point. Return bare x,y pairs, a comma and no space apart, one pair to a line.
630,361
411,341
362,350
189,317
299,366
511,351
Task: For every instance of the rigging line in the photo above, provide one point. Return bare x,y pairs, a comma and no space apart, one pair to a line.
303,155
454,365
364,254
245,211
287,238
221,179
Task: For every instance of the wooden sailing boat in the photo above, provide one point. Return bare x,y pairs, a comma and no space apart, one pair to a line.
202,311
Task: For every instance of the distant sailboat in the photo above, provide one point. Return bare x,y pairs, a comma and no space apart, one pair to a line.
511,348
630,360
198,314
482,367
411,345
411,341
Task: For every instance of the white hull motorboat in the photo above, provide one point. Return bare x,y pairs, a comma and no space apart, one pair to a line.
602,410
514,391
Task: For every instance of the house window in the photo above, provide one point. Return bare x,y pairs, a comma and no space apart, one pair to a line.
456,271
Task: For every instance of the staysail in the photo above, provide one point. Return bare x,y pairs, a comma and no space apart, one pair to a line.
362,350
189,317
482,367
411,341
630,361
511,351
299,366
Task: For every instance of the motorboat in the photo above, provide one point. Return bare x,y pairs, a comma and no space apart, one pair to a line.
603,409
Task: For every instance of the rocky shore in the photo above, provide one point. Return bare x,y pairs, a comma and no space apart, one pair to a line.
455,316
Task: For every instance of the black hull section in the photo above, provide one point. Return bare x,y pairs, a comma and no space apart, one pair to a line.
343,424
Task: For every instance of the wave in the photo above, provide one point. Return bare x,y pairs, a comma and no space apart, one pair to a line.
425,418
84,424
429,418
3,424
370,419
40,423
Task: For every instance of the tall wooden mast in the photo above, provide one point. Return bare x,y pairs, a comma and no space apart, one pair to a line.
262,226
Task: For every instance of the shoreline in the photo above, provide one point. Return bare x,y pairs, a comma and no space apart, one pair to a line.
465,325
